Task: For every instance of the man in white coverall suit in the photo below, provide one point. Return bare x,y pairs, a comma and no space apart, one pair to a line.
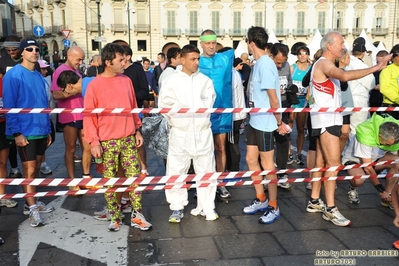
190,136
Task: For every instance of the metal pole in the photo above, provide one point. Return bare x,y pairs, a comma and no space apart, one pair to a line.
99,25
87,33
332,16
128,21
394,22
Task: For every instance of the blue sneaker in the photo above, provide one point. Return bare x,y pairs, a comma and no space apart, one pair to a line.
270,215
256,206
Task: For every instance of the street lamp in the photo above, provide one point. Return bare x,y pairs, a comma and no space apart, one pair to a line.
128,19
99,25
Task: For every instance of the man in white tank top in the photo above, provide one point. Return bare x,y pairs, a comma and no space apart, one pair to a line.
326,92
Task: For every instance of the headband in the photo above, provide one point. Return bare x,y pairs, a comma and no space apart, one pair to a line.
207,38
11,44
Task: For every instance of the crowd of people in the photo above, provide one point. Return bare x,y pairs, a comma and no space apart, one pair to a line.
205,143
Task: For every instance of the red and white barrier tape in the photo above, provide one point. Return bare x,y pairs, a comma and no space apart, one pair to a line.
187,186
116,111
169,182
155,180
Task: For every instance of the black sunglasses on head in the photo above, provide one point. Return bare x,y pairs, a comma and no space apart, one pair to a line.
30,49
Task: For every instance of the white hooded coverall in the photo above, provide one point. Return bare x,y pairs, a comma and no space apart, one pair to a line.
190,136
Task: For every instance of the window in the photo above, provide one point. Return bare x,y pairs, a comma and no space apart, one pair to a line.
171,19
215,16
235,44
258,19
118,16
357,22
338,20
237,20
280,21
321,22
193,19
141,45
300,24
195,43
378,23
94,45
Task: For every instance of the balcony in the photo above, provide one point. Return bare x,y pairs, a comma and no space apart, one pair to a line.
238,32
20,9
94,27
220,32
322,31
357,31
301,32
60,2
119,28
343,31
143,28
50,2
171,32
57,29
37,3
397,32
379,32
192,32
280,32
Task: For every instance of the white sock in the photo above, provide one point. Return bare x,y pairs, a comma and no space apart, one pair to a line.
144,171
31,207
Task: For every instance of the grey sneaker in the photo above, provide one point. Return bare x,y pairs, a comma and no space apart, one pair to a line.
353,196
44,169
9,203
34,218
223,192
270,215
335,217
298,160
256,206
43,208
176,216
285,185
318,207
138,221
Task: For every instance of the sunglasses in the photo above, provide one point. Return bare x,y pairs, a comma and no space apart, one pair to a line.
302,53
12,50
30,49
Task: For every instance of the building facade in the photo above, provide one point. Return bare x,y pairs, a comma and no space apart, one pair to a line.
151,26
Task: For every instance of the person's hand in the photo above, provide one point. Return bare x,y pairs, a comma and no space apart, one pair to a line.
396,221
385,196
21,141
384,62
283,129
49,140
139,139
96,151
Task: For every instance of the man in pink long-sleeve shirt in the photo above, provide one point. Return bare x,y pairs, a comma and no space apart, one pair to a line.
115,138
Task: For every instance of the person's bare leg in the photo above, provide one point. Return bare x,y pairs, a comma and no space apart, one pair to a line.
344,136
252,159
300,126
329,145
3,168
220,148
266,158
86,153
143,157
319,162
70,137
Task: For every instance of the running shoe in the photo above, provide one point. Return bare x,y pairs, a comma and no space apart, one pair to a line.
196,212
1,241
176,216
113,227
270,215
42,208
34,218
256,206
315,207
138,221
335,217
353,196
9,203
212,216
16,174
285,185
309,186
387,203
223,192
44,169
102,215
298,160
126,207
290,159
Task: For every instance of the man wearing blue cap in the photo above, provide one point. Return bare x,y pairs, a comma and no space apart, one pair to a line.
24,87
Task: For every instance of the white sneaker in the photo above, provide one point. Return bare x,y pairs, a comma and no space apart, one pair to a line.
176,216
43,208
335,217
256,206
9,203
196,212
270,215
34,218
211,216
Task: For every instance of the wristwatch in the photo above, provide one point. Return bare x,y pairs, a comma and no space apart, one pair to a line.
17,134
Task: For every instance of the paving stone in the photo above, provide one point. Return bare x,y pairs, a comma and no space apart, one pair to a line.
250,224
290,260
186,250
232,262
248,245
197,226
307,242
